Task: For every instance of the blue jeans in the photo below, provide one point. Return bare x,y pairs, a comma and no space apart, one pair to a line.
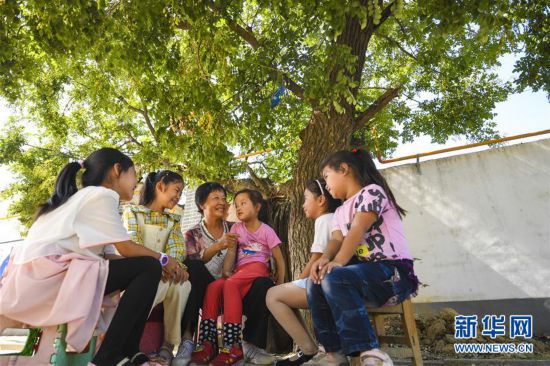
338,308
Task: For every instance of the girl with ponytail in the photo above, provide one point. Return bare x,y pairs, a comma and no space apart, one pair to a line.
151,225
69,253
366,260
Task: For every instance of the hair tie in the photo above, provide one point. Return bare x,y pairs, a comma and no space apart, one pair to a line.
354,151
81,162
320,187
161,174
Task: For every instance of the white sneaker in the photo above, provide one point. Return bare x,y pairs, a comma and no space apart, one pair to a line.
326,359
375,357
256,355
183,356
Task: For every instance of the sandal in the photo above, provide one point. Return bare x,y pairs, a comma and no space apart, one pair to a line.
165,355
141,359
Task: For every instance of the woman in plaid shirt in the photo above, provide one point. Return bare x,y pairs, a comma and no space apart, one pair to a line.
149,224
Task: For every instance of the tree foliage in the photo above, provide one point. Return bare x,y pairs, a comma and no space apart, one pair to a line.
187,85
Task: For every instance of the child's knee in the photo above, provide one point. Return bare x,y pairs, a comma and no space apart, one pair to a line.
273,296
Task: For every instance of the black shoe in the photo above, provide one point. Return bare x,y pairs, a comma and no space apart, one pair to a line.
302,358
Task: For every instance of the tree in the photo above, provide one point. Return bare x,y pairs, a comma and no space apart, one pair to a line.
186,85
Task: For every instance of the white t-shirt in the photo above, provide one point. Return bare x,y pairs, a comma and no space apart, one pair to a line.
322,233
320,240
88,223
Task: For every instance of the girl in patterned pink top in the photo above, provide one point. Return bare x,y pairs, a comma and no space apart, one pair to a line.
367,260
256,243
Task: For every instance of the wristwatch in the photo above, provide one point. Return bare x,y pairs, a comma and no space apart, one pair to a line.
163,259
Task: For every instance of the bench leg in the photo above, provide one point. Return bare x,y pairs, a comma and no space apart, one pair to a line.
379,323
411,332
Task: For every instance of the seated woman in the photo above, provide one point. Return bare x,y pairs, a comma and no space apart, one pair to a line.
151,225
207,244
62,270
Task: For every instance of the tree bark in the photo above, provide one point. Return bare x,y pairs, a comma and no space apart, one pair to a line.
322,136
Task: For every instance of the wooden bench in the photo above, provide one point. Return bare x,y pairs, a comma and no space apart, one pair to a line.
410,339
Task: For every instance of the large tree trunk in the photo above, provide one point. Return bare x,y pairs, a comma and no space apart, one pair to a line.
322,136
278,340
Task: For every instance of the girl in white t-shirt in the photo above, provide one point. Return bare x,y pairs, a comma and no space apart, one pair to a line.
282,300
66,264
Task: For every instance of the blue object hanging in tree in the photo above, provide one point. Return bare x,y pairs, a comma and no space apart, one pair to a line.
276,97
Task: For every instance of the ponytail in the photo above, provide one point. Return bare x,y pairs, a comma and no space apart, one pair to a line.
65,187
96,168
257,199
362,165
148,192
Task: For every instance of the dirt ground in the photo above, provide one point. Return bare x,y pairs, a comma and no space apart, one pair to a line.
437,339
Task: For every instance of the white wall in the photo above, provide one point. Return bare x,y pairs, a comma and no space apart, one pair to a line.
479,223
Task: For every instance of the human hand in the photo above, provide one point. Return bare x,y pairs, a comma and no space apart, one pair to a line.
327,269
316,267
228,241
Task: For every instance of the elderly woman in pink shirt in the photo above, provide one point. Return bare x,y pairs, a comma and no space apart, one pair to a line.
67,263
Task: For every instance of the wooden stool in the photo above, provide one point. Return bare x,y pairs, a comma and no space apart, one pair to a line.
411,339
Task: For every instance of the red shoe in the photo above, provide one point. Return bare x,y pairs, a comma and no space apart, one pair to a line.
203,354
233,356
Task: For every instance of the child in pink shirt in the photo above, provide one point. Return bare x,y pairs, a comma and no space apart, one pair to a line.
366,261
256,243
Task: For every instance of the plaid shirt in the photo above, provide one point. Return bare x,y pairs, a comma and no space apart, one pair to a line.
175,246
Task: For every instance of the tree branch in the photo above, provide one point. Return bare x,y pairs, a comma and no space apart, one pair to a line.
149,124
259,182
134,140
251,39
405,51
245,34
385,15
374,108
144,112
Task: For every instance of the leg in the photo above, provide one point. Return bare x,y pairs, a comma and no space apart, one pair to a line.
235,289
139,278
210,311
323,323
174,304
208,331
162,290
257,314
200,278
281,301
345,290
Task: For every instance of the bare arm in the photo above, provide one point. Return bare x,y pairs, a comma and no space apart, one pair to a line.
359,226
280,263
229,262
228,240
314,257
130,249
211,251
112,257
333,247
